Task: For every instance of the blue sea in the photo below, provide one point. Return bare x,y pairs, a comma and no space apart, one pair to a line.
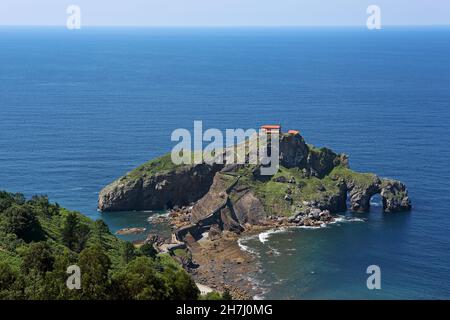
80,108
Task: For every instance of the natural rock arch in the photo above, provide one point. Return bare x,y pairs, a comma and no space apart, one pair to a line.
393,194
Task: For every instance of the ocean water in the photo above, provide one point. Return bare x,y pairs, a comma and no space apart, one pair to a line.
78,109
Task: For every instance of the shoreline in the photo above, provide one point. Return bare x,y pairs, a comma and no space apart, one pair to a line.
222,265
226,255
219,260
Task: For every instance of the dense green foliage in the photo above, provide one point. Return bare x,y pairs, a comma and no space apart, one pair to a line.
39,240
217,296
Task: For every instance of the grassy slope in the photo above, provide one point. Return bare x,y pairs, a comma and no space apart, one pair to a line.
158,165
162,164
360,179
272,193
52,224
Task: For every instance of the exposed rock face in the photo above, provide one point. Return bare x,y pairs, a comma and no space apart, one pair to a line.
226,207
321,162
395,196
393,193
313,178
336,202
160,191
126,231
293,151
248,208
360,194
312,217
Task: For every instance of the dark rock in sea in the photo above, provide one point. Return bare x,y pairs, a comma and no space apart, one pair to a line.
395,196
127,231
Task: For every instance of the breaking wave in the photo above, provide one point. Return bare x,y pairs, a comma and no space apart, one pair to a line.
244,247
157,215
264,236
347,219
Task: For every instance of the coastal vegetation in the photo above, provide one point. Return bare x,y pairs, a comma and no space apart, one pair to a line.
212,205
39,240
307,177
159,165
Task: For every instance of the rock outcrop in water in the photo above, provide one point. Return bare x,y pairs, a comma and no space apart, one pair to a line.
310,184
158,189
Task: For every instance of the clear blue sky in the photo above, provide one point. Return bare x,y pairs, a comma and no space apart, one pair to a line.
224,12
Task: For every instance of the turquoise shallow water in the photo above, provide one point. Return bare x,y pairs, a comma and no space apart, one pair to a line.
78,109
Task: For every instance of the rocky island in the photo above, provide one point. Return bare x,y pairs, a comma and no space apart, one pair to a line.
213,204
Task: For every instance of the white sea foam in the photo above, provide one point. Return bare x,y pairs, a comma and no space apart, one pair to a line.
156,215
264,236
259,287
244,247
275,251
205,235
309,227
347,219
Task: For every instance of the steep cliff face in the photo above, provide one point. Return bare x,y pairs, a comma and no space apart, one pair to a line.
394,196
230,196
228,204
293,151
157,191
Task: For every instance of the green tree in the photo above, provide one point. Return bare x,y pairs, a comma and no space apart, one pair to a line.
8,199
226,295
33,263
38,257
74,233
82,236
94,265
181,284
37,261
55,281
42,206
140,281
211,296
101,226
21,221
128,252
8,278
34,285
68,232
148,250
100,231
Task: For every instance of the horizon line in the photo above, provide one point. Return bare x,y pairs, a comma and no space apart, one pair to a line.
223,26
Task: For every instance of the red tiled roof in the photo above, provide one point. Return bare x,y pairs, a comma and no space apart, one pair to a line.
271,126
